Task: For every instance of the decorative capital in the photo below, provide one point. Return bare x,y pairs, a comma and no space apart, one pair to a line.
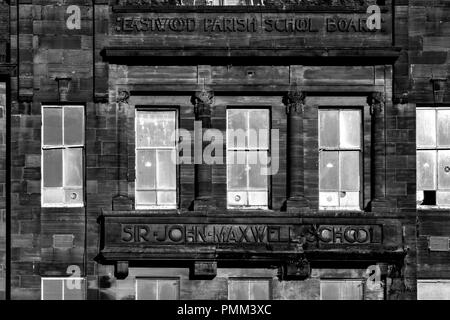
376,101
294,101
202,100
123,96
203,97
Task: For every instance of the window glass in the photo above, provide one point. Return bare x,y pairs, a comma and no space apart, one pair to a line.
63,289
52,126
73,169
340,157
329,171
73,125
443,128
156,169
350,129
52,167
247,157
62,156
426,128
52,290
433,156
433,290
254,289
328,128
157,289
426,170
341,290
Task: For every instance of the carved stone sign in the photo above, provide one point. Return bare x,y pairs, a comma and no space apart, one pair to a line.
292,24
248,234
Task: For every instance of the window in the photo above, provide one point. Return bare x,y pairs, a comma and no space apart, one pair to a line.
341,290
340,159
62,156
254,289
433,289
63,288
433,156
156,169
157,289
247,158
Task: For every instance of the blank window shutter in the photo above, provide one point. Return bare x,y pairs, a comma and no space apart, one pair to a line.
341,290
52,289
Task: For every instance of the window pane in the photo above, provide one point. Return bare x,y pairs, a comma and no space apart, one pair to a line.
238,290
426,128
52,167
167,197
256,161
73,289
328,129
259,129
443,128
52,289
426,170
168,289
166,169
258,198
329,171
146,289
73,125
53,195
236,128
236,171
52,126
145,198
349,170
341,290
73,167
237,198
433,290
349,199
350,128
155,128
146,169
259,290
329,199
329,290
443,198
351,290
443,169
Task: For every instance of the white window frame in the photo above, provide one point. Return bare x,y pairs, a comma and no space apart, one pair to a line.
63,279
340,150
357,280
247,150
136,148
62,147
436,148
248,281
157,285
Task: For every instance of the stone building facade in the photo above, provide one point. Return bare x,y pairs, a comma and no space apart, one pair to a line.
93,207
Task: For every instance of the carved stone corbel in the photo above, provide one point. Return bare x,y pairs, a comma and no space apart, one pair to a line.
123,96
376,101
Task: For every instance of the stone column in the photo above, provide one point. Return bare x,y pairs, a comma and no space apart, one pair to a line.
376,101
203,102
295,102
